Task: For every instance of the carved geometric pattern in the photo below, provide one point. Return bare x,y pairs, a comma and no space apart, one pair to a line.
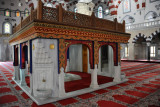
50,14
76,19
96,52
61,53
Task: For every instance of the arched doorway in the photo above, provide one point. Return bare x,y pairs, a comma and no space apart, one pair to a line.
77,76
78,56
106,64
106,60
140,47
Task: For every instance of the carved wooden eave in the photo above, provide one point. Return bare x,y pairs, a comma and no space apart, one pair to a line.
39,29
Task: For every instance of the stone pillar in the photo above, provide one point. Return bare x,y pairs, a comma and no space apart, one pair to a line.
62,92
94,83
110,61
16,73
22,77
67,66
26,67
31,84
148,46
117,74
99,64
85,7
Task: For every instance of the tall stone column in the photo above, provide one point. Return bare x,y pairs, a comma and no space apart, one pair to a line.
148,46
117,74
110,61
94,82
62,92
16,67
22,77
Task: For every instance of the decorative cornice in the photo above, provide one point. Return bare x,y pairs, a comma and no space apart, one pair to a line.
45,30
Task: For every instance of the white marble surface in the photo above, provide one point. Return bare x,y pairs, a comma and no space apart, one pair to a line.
70,77
45,67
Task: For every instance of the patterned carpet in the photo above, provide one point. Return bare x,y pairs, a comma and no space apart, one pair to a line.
142,90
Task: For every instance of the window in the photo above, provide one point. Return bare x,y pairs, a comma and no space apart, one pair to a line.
75,10
26,12
7,13
126,52
18,14
7,28
100,12
152,54
126,6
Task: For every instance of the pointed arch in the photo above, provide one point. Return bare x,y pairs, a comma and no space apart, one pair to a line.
135,39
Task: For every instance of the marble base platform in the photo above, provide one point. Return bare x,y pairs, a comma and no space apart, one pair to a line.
27,90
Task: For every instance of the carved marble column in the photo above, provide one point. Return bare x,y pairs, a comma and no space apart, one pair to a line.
16,73
117,74
94,83
22,77
62,92
148,46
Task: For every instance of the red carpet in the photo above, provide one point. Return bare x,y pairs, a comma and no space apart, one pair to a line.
123,84
7,99
131,82
2,80
113,87
3,83
86,96
4,89
137,94
144,81
146,89
18,88
25,96
101,91
155,82
67,101
45,105
125,99
103,103
152,86
85,81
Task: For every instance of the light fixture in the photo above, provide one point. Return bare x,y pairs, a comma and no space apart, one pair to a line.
107,11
